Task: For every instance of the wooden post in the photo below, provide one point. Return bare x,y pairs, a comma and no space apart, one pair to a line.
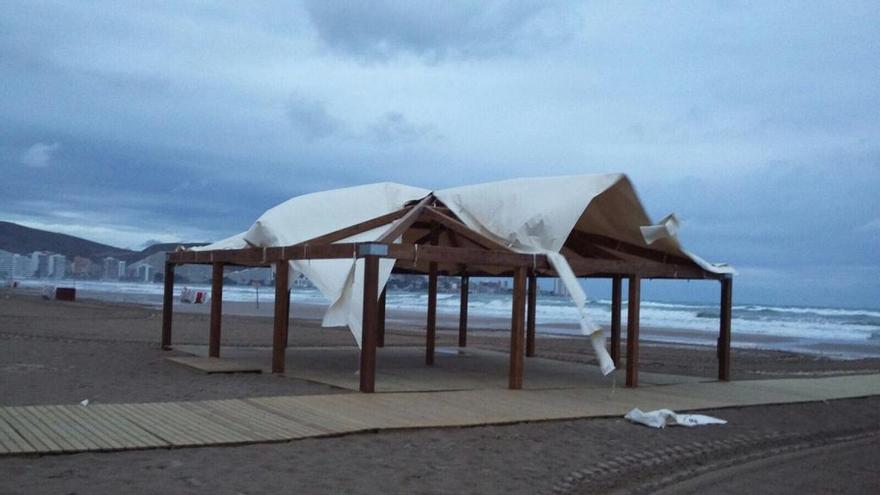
432,314
517,325
431,333
216,309
380,338
370,323
282,316
167,306
530,314
287,330
463,311
724,336
616,297
632,332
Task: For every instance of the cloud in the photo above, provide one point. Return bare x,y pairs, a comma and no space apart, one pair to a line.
394,127
39,155
313,122
311,119
871,226
381,30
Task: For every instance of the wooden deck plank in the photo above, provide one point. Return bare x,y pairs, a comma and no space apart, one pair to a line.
276,426
31,431
302,411
202,428
60,429
146,420
103,432
12,441
249,429
78,437
117,422
63,443
210,365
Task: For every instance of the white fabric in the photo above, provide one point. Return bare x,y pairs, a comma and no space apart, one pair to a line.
666,417
533,215
306,217
664,229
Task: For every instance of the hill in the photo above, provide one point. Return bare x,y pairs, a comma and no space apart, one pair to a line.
134,256
24,240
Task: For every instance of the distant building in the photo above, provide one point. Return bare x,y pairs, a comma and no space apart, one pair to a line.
40,264
21,266
57,266
6,263
114,269
144,273
559,288
81,267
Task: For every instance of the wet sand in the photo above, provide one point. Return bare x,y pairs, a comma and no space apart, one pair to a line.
54,352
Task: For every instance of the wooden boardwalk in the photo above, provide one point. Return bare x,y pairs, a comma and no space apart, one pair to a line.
110,427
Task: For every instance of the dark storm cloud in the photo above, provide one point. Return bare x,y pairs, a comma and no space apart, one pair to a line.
435,30
394,127
311,120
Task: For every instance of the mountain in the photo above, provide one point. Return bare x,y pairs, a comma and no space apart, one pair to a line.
24,240
135,256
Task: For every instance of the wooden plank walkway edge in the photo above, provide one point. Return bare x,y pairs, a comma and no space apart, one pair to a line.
62,429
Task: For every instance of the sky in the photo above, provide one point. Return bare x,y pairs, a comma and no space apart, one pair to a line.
757,123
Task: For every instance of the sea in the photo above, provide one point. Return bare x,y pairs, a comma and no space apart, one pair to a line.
846,333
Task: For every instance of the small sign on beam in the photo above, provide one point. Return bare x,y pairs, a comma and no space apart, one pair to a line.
372,249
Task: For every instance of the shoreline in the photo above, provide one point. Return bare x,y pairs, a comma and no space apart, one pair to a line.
771,334
407,319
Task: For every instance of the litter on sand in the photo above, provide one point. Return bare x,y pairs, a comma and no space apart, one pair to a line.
666,417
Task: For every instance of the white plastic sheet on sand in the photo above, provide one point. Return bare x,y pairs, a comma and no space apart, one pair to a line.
662,418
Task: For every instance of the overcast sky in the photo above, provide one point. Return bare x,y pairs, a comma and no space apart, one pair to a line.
757,123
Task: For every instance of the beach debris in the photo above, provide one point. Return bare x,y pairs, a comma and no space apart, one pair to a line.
667,417
84,403
47,292
193,296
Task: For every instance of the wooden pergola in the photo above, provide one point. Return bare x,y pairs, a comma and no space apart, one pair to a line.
435,242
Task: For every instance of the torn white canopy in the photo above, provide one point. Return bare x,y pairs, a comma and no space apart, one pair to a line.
531,215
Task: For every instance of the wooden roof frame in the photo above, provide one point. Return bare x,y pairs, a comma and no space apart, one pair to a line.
610,256
589,255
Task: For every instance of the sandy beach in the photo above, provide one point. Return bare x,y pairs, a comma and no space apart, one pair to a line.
61,353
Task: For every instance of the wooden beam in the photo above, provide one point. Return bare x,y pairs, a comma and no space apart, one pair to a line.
369,324
380,332
216,309
405,222
613,245
443,254
167,306
632,332
282,316
463,230
724,337
530,313
616,297
357,228
517,324
463,311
